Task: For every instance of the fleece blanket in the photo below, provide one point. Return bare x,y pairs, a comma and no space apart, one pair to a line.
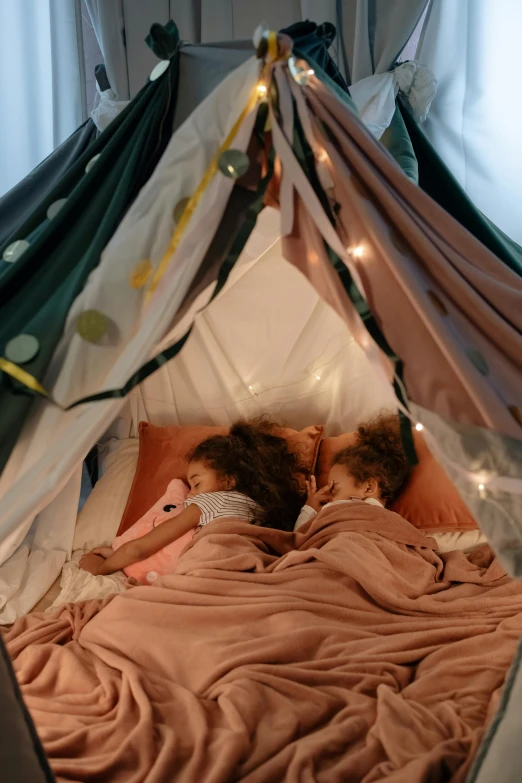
350,651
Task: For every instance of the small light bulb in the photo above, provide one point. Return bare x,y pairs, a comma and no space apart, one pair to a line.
261,90
310,72
357,251
322,155
251,389
318,377
419,427
481,487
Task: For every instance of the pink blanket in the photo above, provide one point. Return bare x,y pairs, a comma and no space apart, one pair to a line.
360,655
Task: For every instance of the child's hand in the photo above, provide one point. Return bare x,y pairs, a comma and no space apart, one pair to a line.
316,499
92,562
104,551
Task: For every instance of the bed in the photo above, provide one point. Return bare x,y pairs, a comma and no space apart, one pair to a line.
275,656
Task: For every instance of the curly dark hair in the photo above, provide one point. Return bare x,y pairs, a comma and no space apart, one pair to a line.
378,453
262,466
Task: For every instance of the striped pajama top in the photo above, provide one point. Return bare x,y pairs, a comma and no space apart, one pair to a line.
223,504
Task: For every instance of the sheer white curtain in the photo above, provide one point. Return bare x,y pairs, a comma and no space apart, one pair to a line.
42,82
473,48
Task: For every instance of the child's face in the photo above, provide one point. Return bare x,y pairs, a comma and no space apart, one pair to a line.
345,487
203,479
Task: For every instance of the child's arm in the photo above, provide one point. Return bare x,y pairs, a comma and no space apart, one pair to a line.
141,548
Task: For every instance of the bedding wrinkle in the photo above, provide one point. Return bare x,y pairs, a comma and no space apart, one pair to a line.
348,651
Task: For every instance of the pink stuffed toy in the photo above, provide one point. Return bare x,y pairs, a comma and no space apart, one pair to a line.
164,561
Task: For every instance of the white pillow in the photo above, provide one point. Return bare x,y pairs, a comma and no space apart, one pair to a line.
469,539
100,517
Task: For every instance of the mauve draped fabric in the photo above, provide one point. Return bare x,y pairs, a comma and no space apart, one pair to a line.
359,655
447,306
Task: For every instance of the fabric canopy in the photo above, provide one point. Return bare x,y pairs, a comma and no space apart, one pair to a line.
432,310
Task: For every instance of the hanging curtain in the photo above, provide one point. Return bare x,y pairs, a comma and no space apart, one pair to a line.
42,82
376,31
438,181
473,48
120,28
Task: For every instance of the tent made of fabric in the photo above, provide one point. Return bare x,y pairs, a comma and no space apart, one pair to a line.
359,293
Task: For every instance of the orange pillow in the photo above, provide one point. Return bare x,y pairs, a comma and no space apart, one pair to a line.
163,457
429,500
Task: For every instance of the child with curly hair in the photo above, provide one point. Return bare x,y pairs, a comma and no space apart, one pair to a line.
373,470
249,474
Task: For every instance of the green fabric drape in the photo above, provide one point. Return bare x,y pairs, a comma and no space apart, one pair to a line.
311,42
398,143
436,179
38,290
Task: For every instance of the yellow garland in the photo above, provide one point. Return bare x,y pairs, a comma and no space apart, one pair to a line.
198,193
21,375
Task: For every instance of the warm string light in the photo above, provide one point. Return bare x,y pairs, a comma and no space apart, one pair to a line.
261,90
357,251
419,427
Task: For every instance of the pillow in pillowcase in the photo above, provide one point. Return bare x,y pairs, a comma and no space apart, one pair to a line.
429,500
163,457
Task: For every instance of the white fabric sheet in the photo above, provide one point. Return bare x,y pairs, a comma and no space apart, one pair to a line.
375,95
79,585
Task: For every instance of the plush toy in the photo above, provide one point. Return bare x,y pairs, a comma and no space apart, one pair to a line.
164,561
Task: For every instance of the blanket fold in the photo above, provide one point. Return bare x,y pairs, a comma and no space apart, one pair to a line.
349,651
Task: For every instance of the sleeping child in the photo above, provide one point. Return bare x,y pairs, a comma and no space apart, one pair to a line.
372,470
249,474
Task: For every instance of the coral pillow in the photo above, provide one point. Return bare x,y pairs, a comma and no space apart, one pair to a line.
164,561
163,457
429,500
